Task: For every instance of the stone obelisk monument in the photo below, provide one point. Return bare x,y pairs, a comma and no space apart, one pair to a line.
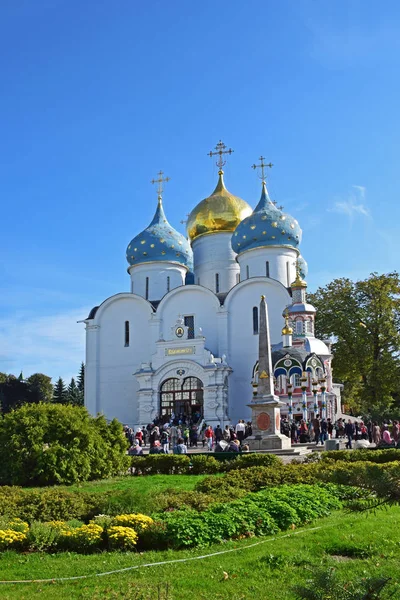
265,406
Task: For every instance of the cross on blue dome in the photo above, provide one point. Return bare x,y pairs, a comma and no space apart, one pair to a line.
160,242
266,226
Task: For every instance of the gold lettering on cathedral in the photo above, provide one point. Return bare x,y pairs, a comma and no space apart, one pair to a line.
173,351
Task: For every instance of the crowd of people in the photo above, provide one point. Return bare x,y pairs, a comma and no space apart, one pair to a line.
177,436
319,429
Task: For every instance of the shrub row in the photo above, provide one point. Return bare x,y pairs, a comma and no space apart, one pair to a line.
380,478
197,464
375,456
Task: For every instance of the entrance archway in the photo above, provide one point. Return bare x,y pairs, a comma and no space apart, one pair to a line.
184,398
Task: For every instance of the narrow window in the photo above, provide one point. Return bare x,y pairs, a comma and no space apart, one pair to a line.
247,272
126,333
189,323
168,284
147,288
267,268
255,320
296,380
288,274
217,283
237,277
299,326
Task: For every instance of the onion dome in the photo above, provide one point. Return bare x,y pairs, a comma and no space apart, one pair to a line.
222,211
287,330
266,226
303,267
160,242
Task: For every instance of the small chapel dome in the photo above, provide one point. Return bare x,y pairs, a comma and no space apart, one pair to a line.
266,226
222,211
160,242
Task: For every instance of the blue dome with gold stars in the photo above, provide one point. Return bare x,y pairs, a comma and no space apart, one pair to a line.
266,226
160,242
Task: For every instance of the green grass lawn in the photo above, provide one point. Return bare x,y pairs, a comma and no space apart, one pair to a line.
356,544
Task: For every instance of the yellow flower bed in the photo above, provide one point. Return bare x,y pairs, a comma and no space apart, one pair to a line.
138,521
18,525
11,539
122,538
83,538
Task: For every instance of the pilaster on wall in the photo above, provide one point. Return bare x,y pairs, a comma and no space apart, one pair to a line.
91,391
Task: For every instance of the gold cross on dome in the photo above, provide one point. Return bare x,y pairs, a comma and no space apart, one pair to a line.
262,166
220,150
160,182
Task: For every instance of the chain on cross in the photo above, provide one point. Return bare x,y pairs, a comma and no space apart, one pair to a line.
220,150
262,166
160,182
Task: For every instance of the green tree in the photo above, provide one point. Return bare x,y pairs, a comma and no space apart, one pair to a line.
363,317
40,388
73,394
60,392
48,444
14,392
81,383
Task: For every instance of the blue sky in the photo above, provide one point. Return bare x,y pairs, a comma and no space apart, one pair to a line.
97,96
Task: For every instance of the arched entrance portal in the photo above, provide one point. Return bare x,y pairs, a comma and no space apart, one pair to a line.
184,398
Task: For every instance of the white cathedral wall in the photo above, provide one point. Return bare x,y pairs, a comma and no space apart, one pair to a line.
212,255
186,301
153,280
112,371
281,264
243,343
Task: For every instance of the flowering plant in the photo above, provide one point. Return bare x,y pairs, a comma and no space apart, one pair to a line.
138,521
122,538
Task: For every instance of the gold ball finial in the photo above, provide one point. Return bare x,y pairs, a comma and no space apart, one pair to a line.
263,297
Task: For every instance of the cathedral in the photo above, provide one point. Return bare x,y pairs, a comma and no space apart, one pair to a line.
183,341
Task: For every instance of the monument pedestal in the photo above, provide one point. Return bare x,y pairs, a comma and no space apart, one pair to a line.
266,425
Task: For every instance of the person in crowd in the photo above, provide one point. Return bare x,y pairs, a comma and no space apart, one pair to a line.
304,437
180,447
376,433
165,441
245,448
218,433
135,449
341,426
145,435
234,446
194,436
186,434
209,435
293,432
356,430
285,427
317,429
249,429
139,436
154,435
330,428
349,431
386,436
324,430
156,448
240,430
396,431
226,434
363,431
173,432
369,429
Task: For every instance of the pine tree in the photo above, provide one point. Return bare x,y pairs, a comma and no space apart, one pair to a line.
81,384
60,392
73,393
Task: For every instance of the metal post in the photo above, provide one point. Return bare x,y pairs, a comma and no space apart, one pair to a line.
322,382
290,409
304,380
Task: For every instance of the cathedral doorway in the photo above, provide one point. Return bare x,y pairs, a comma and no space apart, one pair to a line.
182,398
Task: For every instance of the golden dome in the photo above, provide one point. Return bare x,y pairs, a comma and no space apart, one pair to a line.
222,211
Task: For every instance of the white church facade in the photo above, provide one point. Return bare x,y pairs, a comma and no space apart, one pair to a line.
184,340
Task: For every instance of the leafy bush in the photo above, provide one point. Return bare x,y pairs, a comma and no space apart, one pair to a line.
202,464
161,464
122,538
47,444
253,460
50,504
43,536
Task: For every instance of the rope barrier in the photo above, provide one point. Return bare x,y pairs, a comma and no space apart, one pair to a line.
157,564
